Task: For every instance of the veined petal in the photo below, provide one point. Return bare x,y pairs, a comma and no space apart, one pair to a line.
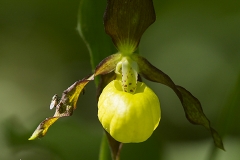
69,98
191,104
126,21
108,64
43,127
64,108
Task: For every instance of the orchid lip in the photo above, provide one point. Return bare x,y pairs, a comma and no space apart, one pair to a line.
129,118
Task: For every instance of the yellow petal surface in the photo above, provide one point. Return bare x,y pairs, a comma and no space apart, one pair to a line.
129,117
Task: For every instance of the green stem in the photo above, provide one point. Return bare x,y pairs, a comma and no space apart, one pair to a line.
104,149
115,147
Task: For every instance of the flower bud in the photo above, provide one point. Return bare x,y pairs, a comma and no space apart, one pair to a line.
128,117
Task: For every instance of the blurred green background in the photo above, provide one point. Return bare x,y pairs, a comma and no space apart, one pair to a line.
197,43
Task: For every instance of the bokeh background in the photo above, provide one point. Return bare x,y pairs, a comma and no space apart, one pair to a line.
197,43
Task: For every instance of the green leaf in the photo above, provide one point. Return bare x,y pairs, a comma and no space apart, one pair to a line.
192,106
91,29
126,21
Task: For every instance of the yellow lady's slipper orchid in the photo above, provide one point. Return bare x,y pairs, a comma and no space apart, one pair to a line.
128,109
129,117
